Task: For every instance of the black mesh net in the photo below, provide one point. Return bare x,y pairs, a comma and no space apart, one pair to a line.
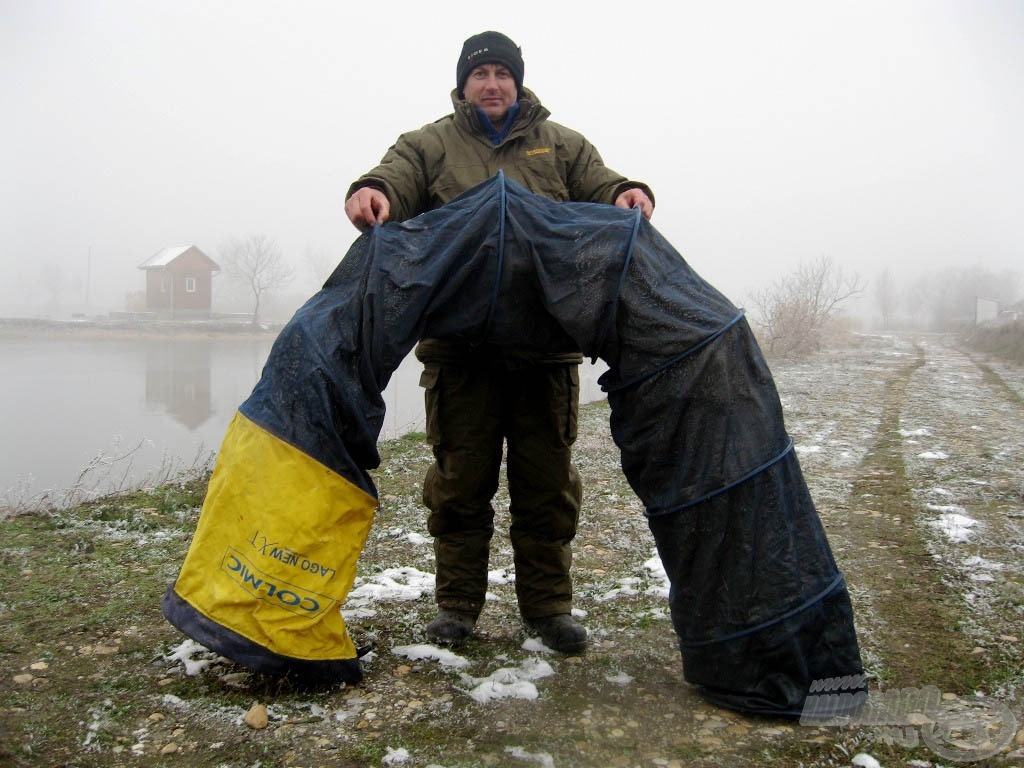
759,607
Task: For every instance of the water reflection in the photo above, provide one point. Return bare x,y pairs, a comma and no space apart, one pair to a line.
178,378
87,413
102,414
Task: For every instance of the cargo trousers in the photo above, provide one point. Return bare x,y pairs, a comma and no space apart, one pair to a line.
473,408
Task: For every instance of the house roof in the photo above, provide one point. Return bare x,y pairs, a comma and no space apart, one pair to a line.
165,256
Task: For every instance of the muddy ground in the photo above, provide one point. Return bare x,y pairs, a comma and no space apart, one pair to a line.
914,453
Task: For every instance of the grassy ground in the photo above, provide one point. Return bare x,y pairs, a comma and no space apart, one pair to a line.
92,675
1004,341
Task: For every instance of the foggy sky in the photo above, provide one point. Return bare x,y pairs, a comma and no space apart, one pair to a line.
881,134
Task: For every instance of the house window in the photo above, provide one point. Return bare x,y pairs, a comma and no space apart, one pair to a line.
190,285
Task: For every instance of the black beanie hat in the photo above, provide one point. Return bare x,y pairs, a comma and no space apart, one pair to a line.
489,48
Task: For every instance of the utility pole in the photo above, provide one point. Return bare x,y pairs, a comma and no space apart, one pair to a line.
88,276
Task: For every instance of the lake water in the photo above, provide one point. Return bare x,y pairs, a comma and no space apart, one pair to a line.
129,412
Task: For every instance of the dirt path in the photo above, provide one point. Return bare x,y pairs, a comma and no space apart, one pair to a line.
913,452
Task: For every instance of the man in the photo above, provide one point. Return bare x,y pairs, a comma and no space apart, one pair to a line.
479,396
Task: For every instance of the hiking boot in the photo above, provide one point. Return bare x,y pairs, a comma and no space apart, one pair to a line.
559,633
451,628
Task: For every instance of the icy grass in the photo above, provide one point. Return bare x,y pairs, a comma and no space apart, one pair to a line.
962,436
116,680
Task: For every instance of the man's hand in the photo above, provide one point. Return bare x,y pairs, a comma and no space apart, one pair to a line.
635,197
368,206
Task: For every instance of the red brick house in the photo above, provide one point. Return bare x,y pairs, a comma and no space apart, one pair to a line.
179,283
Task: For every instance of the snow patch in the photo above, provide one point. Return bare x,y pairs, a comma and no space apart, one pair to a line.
656,569
982,563
953,509
427,652
395,756
631,585
980,568
627,587
933,455
501,576
864,760
399,533
406,583
508,682
535,645
956,526
193,656
619,678
543,759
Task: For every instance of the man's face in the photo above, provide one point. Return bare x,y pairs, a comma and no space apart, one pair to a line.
492,88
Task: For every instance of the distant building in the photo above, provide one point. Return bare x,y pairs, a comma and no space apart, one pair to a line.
179,283
985,310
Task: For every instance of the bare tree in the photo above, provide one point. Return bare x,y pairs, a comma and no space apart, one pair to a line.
52,278
258,263
885,295
318,263
794,311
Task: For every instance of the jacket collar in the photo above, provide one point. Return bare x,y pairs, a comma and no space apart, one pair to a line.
531,112
495,134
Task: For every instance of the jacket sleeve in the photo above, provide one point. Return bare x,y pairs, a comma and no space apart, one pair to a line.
401,176
590,180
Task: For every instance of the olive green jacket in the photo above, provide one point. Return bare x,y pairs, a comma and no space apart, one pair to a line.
429,167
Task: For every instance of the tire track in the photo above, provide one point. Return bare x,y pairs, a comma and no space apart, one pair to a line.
914,606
